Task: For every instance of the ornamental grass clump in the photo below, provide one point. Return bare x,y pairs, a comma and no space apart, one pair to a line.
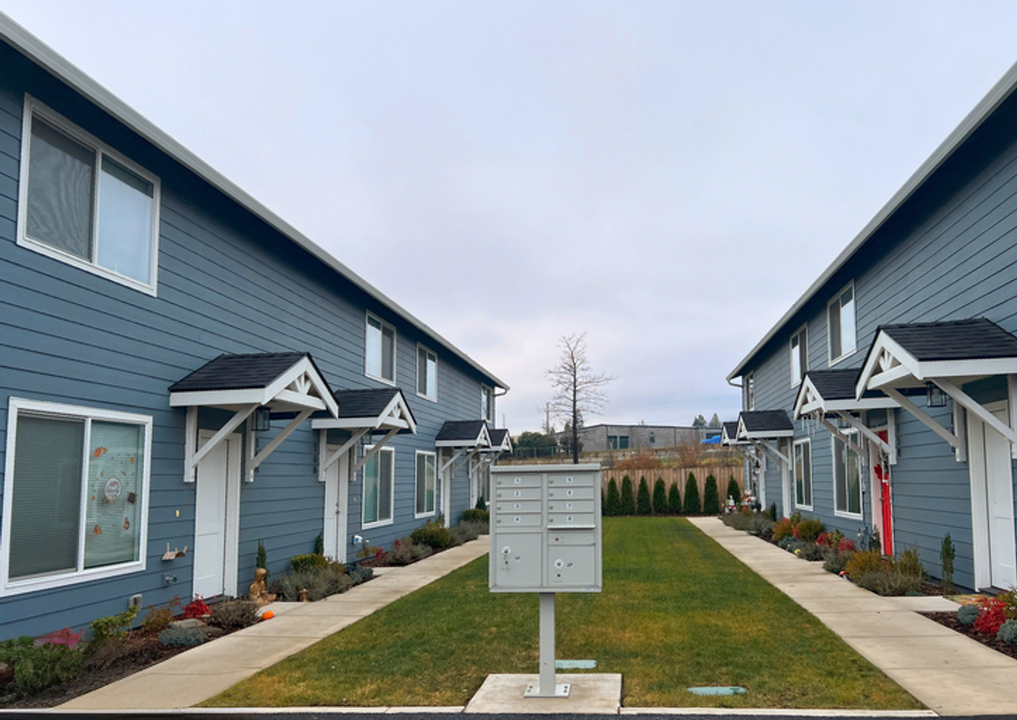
434,534
809,530
234,614
659,498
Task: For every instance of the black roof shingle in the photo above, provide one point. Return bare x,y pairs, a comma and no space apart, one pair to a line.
766,420
460,430
239,372
971,339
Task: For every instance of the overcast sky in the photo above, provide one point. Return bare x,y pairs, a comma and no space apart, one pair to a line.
668,176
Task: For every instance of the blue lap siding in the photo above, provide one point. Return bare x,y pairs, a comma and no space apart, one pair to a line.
228,282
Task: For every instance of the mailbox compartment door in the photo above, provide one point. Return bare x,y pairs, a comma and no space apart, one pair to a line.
571,565
517,561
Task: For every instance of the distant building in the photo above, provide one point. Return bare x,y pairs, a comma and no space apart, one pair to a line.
639,437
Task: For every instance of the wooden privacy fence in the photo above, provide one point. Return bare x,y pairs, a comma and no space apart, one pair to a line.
677,475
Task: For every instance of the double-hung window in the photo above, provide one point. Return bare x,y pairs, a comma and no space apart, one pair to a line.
750,392
75,495
840,315
847,477
487,403
381,350
799,355
427,474
427,373
84,203
803,474
379,473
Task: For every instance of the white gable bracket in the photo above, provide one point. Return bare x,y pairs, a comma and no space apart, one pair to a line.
954,441
768,448
232,424
843,437
374,450
334,457
278,440
975,408
867,433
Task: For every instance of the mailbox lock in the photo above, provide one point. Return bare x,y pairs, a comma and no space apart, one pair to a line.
559,563
505,556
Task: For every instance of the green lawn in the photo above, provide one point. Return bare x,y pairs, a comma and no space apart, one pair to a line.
677,611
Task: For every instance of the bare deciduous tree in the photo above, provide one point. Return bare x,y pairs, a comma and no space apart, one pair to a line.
577,389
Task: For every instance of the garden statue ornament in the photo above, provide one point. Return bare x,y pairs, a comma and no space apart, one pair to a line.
258,592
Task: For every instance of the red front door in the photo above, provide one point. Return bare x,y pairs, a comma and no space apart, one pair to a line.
883,475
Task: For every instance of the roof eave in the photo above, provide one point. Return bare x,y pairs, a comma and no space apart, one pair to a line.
60,67
971,122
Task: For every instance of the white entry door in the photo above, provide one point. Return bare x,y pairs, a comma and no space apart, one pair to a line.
445,499
336,504
217,518
992,503
787,484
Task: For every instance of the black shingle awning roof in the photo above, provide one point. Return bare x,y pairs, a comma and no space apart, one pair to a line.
835,384
463,433
238,372
500,439
972,339
377,409
731,428
763,424
286,382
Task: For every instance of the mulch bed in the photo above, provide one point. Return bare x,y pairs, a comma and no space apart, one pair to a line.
949,619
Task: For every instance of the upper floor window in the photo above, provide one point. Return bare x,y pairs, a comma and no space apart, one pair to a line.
427,373
487,403
799,352
840,314
85,204
77,483
750,392
381,349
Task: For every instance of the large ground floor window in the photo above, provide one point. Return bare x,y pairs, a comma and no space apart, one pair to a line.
426,477
379,473
847,477
75,494
803,474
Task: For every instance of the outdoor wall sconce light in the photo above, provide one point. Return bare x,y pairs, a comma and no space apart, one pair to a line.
934,396
262,419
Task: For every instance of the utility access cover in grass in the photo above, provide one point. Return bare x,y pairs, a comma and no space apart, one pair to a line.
677,611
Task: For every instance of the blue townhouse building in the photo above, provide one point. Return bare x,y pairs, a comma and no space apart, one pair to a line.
184,376
884,400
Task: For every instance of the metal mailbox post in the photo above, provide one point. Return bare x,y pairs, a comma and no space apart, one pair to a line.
545,538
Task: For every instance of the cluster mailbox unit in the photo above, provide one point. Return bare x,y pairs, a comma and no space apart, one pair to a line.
545,538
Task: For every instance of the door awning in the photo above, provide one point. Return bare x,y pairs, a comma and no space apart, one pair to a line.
470,434
729,434
833,391
365,412
946,355
764,425
288,384
500,441
378,409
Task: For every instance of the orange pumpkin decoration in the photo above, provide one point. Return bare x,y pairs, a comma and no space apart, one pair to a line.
267,615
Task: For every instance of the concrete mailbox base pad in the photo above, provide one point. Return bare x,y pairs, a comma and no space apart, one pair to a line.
598,693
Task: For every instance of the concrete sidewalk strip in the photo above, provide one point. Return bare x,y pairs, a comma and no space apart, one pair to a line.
948,672
196,675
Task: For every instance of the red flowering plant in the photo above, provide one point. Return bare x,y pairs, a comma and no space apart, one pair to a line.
991,617
846,546
62,637
823,539
196,608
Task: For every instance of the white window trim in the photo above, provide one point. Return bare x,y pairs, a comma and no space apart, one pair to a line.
796,443
17,587
803,332
34,107
395,348
833,473
434,510
829,336
429,351
363,494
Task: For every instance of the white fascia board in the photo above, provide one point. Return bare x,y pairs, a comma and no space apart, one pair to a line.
378,423
986,106
876,403
769,434
57,65
219,398
967,368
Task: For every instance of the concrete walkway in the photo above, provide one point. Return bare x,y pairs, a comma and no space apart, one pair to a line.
950,673
196,675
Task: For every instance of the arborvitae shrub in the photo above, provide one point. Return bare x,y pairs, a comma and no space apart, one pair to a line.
733,491
773,511
711,503
947,553
613,505
692,506
643,506
628,500
674,500
659,498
